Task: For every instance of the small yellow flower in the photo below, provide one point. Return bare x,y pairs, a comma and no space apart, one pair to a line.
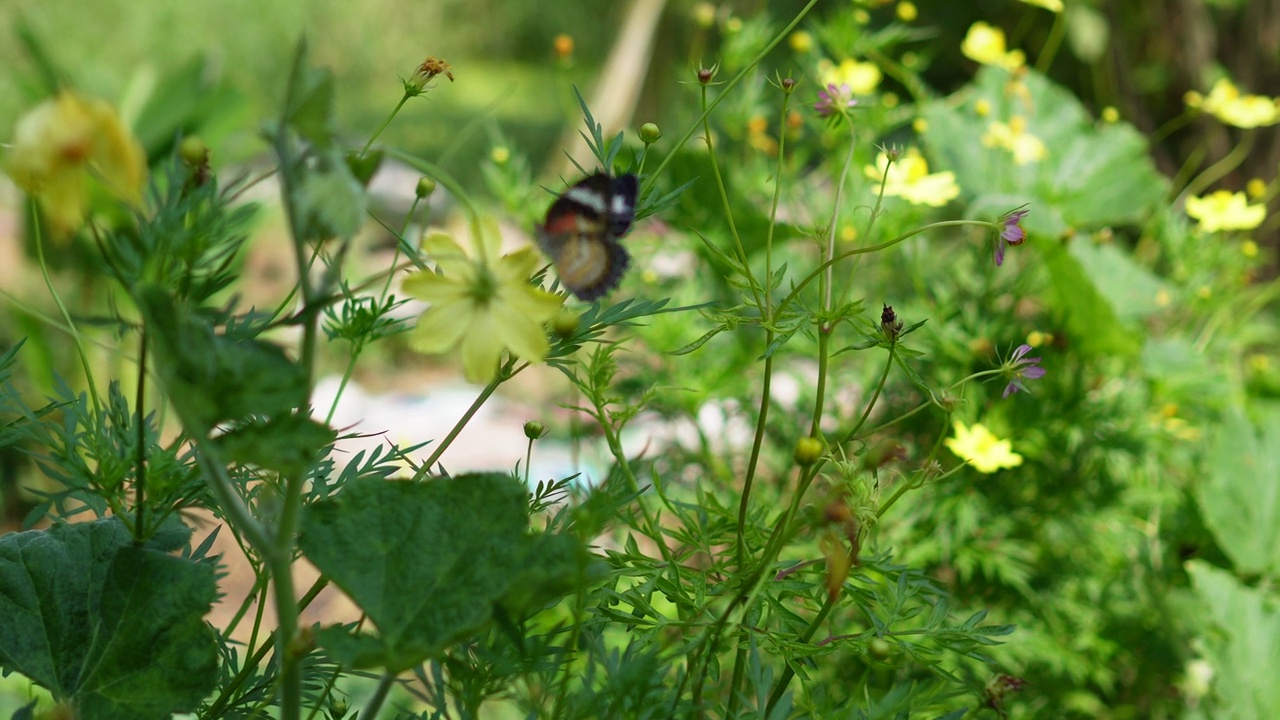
1225,102
500,154
1249,249
562,45
1256,188
907,11
1050,5
982,107
487,306
1036,338
70,149
704,14
1025,147
1225,210
801,41
981,449
985,44
861,77
1110,114
909,178
920,125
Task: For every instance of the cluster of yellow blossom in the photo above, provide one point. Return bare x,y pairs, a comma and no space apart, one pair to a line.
1228,104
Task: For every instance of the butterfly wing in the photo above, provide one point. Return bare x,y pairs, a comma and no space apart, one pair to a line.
581,234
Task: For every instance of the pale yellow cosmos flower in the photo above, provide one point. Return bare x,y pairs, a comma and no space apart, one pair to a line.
1225,210
986,44
861,77
70,149
484,305
909,178
1228,104
980,448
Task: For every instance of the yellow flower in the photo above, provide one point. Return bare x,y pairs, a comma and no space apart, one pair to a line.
1110,114
861,77
907,11
1225,102
908,178
1051,5
1025,147
1257,187
985,44
485,306
801,41
984,451
1225,210
69,149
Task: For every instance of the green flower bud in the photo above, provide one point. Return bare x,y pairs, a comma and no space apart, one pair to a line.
426,186
193,151
649,133
808,450
534,429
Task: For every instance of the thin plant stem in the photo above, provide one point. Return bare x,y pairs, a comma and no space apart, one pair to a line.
728,209
140,451
66,315
379,697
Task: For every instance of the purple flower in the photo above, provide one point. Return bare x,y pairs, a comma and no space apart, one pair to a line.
834,100
1011,232
1019,368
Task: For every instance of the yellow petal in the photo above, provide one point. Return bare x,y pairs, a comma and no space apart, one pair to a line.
440,328
437,289
525,335
448,255
481,348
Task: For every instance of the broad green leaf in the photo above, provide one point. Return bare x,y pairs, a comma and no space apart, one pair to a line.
428,561
309,105
1091,176
1240,495
288,444
1245,656
1130,289
211,378
116,629
1089,316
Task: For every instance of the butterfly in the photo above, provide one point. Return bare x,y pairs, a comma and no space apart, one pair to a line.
581,233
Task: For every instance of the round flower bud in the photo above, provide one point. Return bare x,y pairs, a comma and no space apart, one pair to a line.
563,45
426,186
879,648
500,155
808,450
534,429
705,75
649,133
193,151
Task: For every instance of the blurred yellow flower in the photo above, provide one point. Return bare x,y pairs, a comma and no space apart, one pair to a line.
1225,102
1225,210
801,41
985,44
1249,249
861,77
906,11
1110,114
981,449
487,306
70,149
1025,147
1051,5
1257,187
908,178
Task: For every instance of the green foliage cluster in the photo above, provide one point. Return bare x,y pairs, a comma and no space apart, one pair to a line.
822,553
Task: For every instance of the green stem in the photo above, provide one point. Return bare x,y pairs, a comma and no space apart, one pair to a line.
62,308
1223,167
1051,45
379,697
140,452
728,209
385,123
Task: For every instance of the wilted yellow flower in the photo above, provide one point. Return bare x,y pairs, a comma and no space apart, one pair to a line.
1225,210
1051,5
1025,147
908,178
1225,102
486,305
981,449
985,44
861,77
69,149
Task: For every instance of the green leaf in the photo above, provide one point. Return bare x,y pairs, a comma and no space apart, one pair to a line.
427,561
115,628
1239,496
1092,175
309,105
1130,289
1247,653
288,444
328,201
1090,318
212,378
